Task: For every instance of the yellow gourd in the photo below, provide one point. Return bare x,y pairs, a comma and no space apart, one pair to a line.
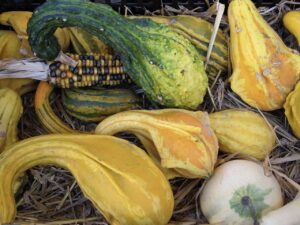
291,21
117,177
18,21
243,131
180,141
292,110
265,70
10,112
9,45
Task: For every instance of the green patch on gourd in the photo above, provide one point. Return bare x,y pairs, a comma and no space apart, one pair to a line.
248,201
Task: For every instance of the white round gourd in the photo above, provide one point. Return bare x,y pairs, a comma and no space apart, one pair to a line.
239,193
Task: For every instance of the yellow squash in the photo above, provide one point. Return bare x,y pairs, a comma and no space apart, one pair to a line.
264,69
117,177
9,45
83,42
291,21
242,131
292,110
181,141
18,21
10,112
19,85
45,113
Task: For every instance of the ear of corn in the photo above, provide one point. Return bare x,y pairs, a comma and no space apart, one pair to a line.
92,69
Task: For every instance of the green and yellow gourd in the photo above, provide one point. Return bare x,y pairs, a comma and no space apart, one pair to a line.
165,64
198,31
94,104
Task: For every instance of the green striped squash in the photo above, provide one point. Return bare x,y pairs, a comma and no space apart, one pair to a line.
94,104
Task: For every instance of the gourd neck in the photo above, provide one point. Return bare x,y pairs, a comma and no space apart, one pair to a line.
97,19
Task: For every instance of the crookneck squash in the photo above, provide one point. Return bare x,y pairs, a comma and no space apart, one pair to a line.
119,178
94,104
165,64
265,70
243,131
198,31
10,112
180,141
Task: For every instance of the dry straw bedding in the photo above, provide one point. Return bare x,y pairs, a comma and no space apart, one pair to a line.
51,195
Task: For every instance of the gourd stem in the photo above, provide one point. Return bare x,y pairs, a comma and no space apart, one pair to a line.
246,201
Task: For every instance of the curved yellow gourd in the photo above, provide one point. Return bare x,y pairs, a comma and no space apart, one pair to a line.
292,110
243,131
10,112
119,178
265,70
180,140
291,21
45,113
18,21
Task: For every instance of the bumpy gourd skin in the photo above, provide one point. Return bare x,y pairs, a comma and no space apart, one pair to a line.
166,65
118,177
264,69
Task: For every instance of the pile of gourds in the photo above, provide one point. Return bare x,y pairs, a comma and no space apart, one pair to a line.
165,57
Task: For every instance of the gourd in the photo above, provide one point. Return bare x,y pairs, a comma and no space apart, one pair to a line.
243,131
116,176
9,45
291,20
180,141
94,104
19,85
292,110
198,31
18,21
83,42
10,112
265,70
239,193
45,113
287,215
165,64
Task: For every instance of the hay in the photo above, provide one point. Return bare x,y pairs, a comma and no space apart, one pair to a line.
51,195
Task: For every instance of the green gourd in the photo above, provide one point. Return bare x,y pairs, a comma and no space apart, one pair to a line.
94,104
165,64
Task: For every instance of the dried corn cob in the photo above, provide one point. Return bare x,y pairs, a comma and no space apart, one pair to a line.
91,69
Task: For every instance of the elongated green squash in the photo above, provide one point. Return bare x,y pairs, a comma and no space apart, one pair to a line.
94,104
165,64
